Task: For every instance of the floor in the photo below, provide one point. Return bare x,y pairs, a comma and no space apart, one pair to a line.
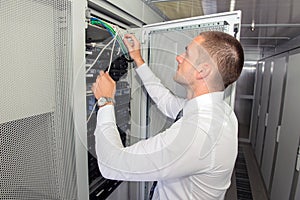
246,182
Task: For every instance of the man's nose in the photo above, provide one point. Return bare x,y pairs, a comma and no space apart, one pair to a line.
179,58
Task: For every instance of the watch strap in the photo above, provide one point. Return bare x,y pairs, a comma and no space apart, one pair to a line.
104,100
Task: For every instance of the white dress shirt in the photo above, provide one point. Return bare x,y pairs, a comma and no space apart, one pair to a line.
193,159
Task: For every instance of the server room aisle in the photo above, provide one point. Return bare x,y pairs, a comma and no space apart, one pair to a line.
246,183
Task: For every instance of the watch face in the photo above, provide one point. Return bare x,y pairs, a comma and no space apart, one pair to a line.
102,101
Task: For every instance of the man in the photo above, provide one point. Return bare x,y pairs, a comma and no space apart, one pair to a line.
195,157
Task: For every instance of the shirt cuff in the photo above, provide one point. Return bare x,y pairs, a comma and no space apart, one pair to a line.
106,114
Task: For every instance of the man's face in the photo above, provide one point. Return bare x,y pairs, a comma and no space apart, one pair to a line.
187,64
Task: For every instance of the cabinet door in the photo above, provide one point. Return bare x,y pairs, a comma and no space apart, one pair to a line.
164,41
263,110
279,72
256,102
289,136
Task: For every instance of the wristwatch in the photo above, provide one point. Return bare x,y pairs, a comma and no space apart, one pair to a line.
104,100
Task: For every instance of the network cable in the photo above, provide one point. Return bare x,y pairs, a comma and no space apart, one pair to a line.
112,32
111,55
110,60
94,107
115,38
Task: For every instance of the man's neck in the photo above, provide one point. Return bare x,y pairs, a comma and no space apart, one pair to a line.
195,93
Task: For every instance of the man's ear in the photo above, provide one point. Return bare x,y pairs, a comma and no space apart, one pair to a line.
204,70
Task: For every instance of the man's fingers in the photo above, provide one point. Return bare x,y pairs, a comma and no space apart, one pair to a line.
128,36
133,39
128,44
130,41
108,77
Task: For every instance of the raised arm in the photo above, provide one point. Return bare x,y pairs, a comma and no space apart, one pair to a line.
168,103
134,49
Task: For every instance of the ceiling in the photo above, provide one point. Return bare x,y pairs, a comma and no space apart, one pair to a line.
265,23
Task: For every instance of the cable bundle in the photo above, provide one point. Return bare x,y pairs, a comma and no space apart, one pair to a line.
121,70
112,32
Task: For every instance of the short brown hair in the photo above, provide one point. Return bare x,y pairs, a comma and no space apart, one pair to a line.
227,52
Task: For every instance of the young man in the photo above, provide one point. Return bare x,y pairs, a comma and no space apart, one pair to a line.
195,157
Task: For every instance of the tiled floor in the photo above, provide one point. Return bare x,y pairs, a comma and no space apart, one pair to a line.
246,181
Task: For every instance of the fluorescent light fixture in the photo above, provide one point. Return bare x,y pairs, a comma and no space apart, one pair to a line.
250,62
265,38
253,25
232,5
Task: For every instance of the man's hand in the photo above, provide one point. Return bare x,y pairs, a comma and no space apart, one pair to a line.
134,48
104,86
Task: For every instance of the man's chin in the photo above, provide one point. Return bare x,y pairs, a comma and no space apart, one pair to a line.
178,80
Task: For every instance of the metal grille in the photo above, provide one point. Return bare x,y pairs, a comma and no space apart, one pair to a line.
25,168
36,126
196,29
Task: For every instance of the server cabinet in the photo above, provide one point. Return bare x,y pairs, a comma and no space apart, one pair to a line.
273,121
263,106
256,102
287,162
39,146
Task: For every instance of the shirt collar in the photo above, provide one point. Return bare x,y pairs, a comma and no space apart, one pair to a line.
205,99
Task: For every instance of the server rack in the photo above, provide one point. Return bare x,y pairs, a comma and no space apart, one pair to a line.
103,52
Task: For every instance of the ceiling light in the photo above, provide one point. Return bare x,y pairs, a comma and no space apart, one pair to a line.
232,5
272,25
265,38
252,25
